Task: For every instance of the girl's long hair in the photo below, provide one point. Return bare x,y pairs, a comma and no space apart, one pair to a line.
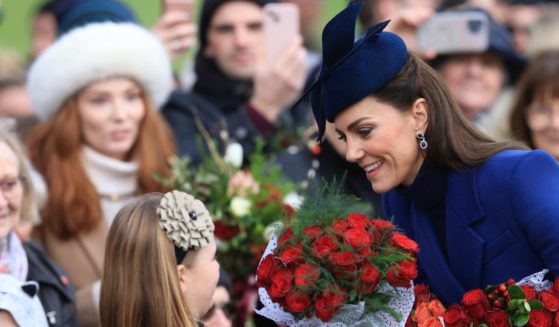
140,284
73,205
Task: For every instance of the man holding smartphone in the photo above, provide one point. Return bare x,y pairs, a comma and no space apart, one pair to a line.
236,89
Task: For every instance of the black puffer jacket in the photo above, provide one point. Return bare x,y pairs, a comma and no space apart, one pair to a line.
55,291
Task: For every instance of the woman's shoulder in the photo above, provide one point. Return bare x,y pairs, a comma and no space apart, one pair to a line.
518,158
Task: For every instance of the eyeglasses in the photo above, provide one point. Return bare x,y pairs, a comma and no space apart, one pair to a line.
540,117
11,187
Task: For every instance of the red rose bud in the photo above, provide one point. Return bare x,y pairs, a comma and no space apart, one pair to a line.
477,312
474,297
224,231
312,232
401,275
267,268
357,220
369,278
328,303
280,284
285,236
323,247
498,319
382,224
539,318
292,253
529,291
357,238
343,258
297,302
549,301
306,275
403,242
340,225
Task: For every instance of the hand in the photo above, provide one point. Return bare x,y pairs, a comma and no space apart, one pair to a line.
177,32
240,183
278,84
406,22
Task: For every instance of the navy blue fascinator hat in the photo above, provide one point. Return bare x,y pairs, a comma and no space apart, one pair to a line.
352,70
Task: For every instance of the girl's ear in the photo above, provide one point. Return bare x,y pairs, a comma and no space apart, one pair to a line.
182,272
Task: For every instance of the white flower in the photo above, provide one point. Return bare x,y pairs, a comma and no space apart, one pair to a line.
293,199
239,206
234,154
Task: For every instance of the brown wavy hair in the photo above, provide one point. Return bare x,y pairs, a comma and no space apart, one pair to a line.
73,205
453,140
140,284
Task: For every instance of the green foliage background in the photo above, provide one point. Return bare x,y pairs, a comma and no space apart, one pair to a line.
16,19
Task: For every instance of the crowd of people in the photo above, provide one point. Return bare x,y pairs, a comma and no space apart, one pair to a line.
438,143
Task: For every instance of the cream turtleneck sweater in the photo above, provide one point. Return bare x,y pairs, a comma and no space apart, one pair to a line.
116,181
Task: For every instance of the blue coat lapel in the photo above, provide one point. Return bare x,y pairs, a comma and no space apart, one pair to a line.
432,259
463,211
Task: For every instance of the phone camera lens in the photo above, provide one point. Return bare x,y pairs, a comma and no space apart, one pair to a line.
475,25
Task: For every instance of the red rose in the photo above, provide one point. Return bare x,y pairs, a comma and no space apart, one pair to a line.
431,322
225,231
400,275
436,307
556,320
556,285
328,303
474,297
453,316
292,253
285,236
267,268
422,293
498,319
297,302
312,232
340,225
549,301
369,278
346,273
404,242
477,312
281,283
357,220
357,238
529,291
306,275
323,246
343,258
539,318
365,252
382,224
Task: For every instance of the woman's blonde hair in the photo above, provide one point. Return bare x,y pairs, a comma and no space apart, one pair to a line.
29,207
140,284
73,205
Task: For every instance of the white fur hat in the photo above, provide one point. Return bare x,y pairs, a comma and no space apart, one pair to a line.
95,52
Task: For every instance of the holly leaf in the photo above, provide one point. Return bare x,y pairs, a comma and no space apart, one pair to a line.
535,304
516,293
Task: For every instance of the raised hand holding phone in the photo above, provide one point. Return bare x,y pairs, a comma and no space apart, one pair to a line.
176,27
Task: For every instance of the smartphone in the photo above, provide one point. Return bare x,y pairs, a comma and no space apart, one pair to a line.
281,25
454,32
186,6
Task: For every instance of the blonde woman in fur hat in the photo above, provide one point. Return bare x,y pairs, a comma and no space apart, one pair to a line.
97,90
160,263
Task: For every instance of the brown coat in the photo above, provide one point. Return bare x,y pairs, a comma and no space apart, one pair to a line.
82,259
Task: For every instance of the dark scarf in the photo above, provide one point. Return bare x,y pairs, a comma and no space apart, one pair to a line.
222,91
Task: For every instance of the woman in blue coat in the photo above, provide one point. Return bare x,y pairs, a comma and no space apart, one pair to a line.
481,211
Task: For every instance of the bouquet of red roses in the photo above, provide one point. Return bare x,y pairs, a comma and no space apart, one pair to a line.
532,302
338,267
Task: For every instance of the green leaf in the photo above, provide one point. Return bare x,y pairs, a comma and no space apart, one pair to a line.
519,321
515,305
535,304
516,293
482,325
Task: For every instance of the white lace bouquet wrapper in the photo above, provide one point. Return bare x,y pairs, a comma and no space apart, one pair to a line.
537,281
349,314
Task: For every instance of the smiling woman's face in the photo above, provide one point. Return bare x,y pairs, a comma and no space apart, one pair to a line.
382,141
11,190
